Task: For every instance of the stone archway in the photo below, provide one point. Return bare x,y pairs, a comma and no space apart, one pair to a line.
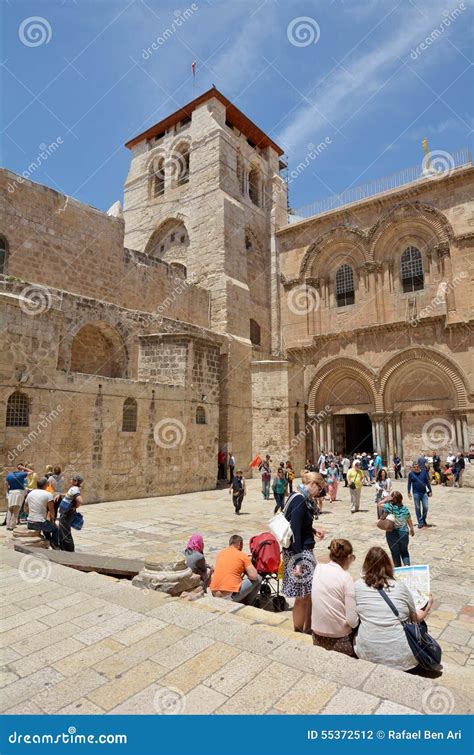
98,349
424,399
341,407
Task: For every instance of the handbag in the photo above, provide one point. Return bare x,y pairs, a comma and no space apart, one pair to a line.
352,485
280,527
424,647
78,521
387,524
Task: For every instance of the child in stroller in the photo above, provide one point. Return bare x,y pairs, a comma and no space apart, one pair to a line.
266,557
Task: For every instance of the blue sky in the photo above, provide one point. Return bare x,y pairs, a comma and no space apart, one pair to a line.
348,71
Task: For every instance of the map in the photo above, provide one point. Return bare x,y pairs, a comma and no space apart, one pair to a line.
417,579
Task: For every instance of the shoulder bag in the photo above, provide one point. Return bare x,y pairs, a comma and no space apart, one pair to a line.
424,647
280,526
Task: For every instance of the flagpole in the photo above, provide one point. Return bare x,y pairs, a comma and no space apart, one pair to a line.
193,68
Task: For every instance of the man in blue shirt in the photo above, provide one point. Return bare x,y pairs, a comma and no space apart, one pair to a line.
419,482
15,485
377,464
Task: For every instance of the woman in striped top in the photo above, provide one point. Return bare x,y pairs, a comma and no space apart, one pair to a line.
397,539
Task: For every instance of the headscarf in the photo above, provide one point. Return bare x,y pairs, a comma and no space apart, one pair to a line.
195,543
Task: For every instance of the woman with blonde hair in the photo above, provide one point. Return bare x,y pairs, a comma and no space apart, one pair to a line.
298,559
334,615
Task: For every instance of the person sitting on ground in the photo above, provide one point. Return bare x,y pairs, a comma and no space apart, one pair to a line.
195,560
67,511
39,505
238,489
279,489
447,476
381,637
234,575
334,616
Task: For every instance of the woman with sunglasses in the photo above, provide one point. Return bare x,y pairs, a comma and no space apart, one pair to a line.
298,559
334,615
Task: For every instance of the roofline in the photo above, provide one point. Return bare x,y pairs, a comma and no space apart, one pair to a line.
233,113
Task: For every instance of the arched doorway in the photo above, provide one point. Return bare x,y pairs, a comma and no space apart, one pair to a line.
341,405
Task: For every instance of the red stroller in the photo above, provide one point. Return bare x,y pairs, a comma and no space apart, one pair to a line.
266,556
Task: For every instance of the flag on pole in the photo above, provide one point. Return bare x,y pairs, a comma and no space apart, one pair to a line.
193,68
256,461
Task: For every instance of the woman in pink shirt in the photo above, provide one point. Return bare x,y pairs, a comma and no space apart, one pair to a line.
334,615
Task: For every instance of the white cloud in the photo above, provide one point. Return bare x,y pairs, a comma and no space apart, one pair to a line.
347,89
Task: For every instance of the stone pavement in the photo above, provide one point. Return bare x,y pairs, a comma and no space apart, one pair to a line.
86,643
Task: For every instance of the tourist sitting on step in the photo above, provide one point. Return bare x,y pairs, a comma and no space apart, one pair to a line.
234,576
381,637
39,505
334,616
195,560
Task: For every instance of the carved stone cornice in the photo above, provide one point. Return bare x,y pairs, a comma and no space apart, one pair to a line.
441,249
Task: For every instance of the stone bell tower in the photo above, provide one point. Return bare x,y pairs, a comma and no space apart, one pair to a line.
204,193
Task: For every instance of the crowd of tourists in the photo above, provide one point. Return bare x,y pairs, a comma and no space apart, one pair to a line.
39,502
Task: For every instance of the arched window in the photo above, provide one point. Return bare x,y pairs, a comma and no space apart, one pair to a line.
179,164
200,416
411,270
3,255
248,243
129,416
296,423
158,177
255,334
254,186
345,286
180,269
18,410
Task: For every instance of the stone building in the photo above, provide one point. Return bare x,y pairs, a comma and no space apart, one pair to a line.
137,343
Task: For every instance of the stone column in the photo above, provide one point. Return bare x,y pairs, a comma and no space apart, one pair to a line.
314,436
459,434
391,448
322,444
329,434
398,437
375,433
465,434
382,449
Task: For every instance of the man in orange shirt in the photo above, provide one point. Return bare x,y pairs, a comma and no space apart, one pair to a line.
234,575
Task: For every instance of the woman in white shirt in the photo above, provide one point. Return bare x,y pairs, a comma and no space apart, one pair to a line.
383,487
334,614
381,637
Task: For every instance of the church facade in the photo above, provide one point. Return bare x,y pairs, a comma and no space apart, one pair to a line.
137,343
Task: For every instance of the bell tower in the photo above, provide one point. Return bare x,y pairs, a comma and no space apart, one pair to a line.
204,192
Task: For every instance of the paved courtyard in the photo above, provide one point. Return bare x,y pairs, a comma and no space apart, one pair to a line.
86,643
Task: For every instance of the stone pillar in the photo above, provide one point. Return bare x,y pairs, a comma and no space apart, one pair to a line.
322,444
391,447
382,449
314,436
465,434
398,437
375,433
329,434
459,434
